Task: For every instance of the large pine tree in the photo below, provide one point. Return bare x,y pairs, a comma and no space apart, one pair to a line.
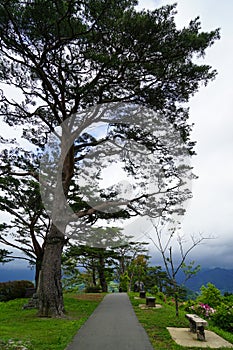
66,56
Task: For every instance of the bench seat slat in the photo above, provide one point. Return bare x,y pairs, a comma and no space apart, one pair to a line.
198,320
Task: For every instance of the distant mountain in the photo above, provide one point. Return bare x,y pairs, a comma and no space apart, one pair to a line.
221,278
12,274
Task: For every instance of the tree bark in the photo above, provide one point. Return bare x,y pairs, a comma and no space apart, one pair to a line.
94,276
50,287
131,281
38,269
177,305
101,269
50,294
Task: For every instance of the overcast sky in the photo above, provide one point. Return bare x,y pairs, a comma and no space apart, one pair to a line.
211,209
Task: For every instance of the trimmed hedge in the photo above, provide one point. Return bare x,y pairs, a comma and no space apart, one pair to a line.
14,289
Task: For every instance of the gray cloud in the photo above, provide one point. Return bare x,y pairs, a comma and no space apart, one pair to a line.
211,209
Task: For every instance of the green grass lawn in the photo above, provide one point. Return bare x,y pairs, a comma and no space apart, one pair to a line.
155,322
43,333
36,333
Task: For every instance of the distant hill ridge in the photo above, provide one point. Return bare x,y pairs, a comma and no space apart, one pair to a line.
220,277
7,274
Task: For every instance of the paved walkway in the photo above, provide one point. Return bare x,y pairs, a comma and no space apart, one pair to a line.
112,326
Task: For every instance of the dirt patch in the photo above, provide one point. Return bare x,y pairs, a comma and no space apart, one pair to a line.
90,296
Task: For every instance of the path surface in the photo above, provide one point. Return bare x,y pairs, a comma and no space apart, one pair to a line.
112,326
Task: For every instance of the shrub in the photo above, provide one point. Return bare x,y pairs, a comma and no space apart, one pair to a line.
124,282
188,306
14,289
210,295
203,310
228,298
93,289
161,296
223,317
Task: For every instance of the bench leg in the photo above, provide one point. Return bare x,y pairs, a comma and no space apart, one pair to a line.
192,326
201,333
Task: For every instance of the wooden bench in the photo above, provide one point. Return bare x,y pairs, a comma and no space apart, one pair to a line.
197,325
150,301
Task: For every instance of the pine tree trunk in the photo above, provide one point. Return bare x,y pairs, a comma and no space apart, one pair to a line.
131,281
101,269
94,276
50,294
177,305
50,288
38,269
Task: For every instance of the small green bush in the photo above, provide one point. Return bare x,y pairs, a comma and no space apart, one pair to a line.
93,289
228,298
160,296
210,295
188,306
223,317
154,290
124,282
14,289
203,310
